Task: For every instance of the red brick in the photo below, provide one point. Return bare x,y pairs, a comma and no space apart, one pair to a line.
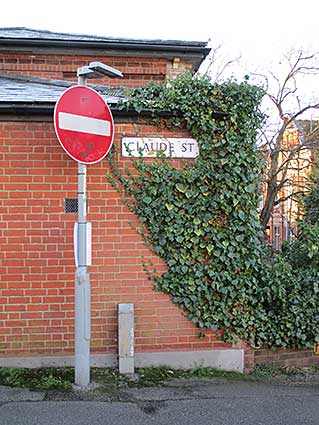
38,249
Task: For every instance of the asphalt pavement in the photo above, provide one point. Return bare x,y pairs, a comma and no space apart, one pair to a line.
211,401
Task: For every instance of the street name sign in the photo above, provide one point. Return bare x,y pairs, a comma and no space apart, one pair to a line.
150,147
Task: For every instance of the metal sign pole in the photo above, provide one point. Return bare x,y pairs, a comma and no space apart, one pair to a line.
70,121
82,285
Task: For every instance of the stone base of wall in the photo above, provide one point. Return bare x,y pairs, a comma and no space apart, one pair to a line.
285,357
238,359
228,359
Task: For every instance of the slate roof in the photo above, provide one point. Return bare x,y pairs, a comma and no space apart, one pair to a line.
28,33
18,88
20,38
27,95
33,95
22,32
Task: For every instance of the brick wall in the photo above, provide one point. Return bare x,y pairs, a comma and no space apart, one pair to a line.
137,71
285,357
176,67
37,260
36,236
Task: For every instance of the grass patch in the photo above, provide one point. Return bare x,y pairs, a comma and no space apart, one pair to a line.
41,378
108,379
153,376
269,371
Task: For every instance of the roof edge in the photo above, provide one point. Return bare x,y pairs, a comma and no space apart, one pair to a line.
113,90
97,38
194,51
47,108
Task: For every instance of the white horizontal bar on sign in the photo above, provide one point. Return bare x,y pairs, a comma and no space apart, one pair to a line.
83,124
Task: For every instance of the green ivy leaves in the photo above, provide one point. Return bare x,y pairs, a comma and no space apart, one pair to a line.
202,218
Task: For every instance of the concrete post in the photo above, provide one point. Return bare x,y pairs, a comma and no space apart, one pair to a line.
126,338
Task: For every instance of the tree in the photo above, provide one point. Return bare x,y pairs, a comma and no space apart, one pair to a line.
219,66
311,199
283,156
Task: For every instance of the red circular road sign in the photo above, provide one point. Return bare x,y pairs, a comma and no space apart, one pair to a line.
83,124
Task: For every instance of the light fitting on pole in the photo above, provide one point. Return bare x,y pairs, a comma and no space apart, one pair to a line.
98,70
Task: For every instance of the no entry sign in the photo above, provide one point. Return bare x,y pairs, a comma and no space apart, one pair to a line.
83,124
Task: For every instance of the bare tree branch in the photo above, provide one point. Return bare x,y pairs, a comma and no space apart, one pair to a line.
217,64
287,159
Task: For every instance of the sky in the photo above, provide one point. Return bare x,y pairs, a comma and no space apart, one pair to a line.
258,31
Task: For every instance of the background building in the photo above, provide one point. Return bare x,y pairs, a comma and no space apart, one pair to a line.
300,151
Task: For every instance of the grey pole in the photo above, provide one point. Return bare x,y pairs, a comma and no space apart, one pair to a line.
82,285
82,277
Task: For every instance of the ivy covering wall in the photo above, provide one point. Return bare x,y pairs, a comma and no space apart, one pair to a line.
201,218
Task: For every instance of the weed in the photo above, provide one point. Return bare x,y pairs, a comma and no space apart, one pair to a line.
109,379
153,376
268,371
39,378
